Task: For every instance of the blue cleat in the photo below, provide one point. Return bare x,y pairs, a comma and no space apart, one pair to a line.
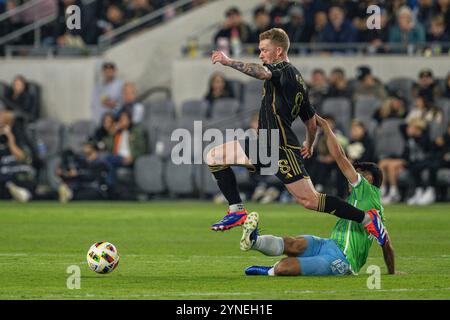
250,231
376,228
257,271
231,220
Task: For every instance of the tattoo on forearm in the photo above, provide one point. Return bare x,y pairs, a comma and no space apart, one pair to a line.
252,69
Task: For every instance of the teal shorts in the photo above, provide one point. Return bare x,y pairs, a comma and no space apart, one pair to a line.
323,257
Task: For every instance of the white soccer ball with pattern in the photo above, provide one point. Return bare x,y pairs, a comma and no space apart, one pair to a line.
103,257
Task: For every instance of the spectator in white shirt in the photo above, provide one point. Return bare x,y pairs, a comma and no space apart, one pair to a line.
107,95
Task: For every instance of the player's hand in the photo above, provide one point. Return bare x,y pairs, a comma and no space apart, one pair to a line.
219,56
306,151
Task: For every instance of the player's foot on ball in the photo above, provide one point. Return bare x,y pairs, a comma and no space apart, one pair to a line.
231,220
375,227
257,271
250,231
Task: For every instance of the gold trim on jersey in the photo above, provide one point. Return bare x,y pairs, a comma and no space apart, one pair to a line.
277,117
321,205
216,168
294,159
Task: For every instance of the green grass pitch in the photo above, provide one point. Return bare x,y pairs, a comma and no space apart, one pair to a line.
168,252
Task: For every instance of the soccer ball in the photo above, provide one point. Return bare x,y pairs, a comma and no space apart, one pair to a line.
103,257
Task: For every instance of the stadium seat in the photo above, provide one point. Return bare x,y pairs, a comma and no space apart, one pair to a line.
252,94
388,140
179,178
340,109
148,174
77,133
194,109
237,88
50,178
444,176
204,180
436,130
365,107
3,87
163,144
224,108
402,85
46,134
160,113
35,90
444,104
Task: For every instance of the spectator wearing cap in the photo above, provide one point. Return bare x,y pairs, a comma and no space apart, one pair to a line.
394,107
338,84
296,27
405,31
426,86
107,95
368,85
262,23
339,29
234,28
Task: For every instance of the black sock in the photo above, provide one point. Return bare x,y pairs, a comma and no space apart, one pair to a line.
339,208
226,181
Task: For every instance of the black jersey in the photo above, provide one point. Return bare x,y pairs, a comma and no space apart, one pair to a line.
285,97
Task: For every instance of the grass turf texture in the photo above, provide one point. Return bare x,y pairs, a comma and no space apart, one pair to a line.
168,252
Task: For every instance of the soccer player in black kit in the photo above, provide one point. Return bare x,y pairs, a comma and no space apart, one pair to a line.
285,97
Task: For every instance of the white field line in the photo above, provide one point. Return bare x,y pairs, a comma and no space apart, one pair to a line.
211,294
183,258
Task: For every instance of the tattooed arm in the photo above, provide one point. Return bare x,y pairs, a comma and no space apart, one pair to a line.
252,69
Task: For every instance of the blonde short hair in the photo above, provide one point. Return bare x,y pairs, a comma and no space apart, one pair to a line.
278,36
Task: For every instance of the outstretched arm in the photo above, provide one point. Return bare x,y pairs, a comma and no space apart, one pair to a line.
337,152
252,69
388,254
311,130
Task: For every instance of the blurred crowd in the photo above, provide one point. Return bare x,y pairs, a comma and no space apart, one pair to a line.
403,23
90,170
98,18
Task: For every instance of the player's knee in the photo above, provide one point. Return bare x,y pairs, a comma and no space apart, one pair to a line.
294,246
287,267
211,157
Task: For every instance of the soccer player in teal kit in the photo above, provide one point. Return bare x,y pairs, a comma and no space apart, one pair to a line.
346,251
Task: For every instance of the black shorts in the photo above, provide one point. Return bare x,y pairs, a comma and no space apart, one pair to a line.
290,162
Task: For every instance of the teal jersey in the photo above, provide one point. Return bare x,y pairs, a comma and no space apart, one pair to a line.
350,236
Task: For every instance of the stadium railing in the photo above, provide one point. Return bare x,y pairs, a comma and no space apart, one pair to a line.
104,42
194,49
